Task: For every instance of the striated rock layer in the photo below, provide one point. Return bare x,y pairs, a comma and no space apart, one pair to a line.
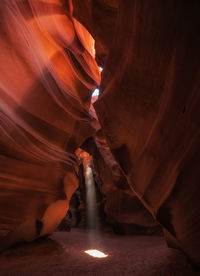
149,111
121,208
47,72
149,106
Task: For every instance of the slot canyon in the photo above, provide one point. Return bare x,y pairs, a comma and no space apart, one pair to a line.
99,137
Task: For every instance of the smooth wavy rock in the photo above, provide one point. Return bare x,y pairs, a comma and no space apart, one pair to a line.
47,72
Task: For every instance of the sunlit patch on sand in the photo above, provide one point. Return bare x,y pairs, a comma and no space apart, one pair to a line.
96,253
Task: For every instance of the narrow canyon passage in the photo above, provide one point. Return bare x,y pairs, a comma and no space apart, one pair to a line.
99,137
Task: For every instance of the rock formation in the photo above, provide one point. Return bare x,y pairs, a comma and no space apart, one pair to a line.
148,109
47,72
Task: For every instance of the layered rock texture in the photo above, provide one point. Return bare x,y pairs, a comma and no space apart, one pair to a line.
47,72
148,110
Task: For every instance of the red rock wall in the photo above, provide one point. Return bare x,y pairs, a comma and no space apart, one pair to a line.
149,111
123,210
148,108
47,72
99,17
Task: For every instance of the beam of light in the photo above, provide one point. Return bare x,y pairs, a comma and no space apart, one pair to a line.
96,253
90,198
101,69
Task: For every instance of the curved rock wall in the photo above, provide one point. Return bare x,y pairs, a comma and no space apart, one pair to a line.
47,72
149,110
149,107
122,208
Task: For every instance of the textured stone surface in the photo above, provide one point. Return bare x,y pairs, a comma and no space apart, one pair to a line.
122,209
149,108
149,111
47,72
99,17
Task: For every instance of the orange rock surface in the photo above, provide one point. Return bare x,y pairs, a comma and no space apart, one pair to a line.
148,108
47,72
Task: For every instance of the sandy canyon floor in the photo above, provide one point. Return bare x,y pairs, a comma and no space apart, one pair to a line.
63,254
